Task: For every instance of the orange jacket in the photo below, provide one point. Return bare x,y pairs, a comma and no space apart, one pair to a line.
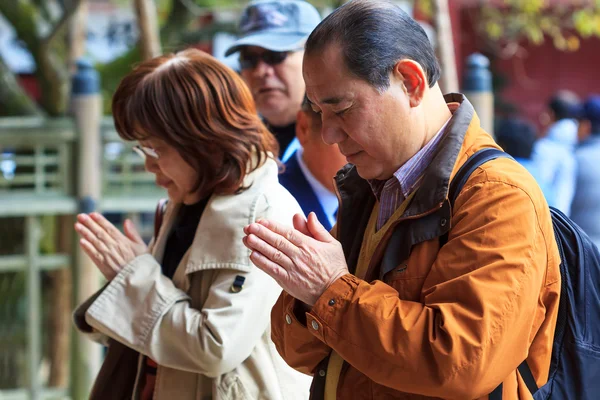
447,323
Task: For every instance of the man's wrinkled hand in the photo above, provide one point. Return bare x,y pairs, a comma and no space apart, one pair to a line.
304,260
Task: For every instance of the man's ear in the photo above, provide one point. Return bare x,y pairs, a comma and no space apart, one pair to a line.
302,127
584,129
413,78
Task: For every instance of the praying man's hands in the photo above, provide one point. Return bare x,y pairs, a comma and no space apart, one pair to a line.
304,260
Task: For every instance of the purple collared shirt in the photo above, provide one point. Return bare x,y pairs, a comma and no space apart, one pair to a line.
394,191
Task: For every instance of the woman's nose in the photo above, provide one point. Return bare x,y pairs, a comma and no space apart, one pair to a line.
151,164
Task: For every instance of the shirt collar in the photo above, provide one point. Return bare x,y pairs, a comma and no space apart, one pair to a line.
404,171
327,199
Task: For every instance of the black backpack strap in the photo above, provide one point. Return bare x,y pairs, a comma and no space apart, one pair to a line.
528,377
465,171
461,177
497,393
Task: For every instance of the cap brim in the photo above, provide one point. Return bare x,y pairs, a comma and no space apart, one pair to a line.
270,41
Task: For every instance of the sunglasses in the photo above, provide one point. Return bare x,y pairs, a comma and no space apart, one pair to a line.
251,60
144,152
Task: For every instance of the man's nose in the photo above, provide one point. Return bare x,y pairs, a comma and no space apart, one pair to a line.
331,132
262,69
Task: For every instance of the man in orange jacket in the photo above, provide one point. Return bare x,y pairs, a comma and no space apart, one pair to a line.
377,309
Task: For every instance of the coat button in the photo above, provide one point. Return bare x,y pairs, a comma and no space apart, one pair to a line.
314,325
443,222
322,373
288,319
332,302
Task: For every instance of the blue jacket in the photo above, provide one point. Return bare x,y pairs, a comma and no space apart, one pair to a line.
554,156
585,209
295,182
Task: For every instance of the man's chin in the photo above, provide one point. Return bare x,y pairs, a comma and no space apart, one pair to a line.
273,104
272,115
364,172
370,173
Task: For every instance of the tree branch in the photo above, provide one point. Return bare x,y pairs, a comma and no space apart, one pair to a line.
13,99
195,9
179,17
63,21
149,41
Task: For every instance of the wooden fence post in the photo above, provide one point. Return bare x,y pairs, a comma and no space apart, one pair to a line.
34,289
477,86
87,110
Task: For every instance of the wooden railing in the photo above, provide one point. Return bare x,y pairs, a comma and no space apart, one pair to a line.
38,168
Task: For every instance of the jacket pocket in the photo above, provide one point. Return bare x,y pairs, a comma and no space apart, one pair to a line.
408,289
407,280
409,276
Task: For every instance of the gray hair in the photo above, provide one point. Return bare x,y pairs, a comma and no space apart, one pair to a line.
374,36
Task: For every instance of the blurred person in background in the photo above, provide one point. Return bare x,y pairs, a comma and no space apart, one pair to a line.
310,171
271,47
518,137
585,210
554,154
188,316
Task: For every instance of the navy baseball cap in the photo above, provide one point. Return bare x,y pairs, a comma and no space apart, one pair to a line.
281,25
591,109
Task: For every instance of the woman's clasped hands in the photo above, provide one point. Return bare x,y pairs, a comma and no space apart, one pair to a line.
108,248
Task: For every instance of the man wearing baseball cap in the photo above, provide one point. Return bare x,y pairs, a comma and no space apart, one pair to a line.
271,48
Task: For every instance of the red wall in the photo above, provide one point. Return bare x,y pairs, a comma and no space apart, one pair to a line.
533,79
546,70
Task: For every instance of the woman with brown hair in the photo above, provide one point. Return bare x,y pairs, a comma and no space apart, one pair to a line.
188,316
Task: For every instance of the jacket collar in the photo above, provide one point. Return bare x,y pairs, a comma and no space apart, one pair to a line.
436,179
218,242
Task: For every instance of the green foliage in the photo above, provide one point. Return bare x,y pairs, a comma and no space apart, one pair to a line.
586,23
112,73
536,20
425,7
512,21
178,29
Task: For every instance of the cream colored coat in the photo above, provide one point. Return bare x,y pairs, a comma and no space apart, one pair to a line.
209,342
